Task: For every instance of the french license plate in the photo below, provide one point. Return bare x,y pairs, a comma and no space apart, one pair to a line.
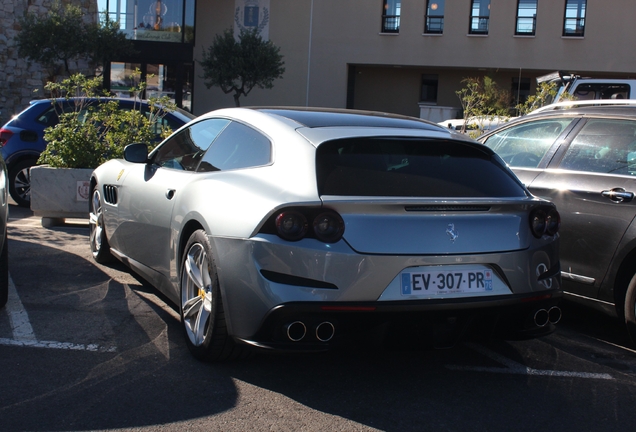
446,282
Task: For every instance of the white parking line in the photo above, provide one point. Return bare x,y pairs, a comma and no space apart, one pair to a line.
515,368
55,345
18,318
22,330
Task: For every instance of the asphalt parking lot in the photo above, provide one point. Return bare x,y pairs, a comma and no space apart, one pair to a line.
91,347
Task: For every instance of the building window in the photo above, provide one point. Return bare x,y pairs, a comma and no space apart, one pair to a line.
428,91
526,17
520,89
479,17
391,16
434,20
151,20
574,20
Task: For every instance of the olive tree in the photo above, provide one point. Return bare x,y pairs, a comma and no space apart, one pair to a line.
482,100
544,94
61,36
239,66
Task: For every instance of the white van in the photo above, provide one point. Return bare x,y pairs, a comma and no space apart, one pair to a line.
589,88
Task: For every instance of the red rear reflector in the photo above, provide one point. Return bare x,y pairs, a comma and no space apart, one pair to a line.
537,298
349,308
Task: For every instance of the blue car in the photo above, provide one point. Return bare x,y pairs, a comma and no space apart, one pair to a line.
22,139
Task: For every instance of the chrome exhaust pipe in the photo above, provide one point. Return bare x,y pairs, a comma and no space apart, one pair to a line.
296,331
541,318
325,331
554,314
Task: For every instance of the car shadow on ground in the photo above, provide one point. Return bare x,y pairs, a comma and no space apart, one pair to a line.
150,379
142,373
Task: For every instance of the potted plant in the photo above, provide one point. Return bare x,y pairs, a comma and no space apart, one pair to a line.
92,129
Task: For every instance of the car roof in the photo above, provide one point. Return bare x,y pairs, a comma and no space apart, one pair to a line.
181,114
570,104
603,111
318,125
327,117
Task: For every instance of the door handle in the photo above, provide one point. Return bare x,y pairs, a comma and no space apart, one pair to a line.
618,195
170,193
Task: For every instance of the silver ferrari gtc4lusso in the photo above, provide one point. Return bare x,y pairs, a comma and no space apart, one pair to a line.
300,229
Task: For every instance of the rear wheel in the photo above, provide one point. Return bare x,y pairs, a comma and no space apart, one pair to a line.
99,243
202,314
630,309
20,182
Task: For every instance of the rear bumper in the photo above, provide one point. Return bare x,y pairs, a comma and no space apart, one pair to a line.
429,323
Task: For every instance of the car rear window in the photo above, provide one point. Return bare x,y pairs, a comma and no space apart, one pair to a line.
405,167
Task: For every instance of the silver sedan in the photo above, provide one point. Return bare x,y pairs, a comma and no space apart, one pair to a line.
301,229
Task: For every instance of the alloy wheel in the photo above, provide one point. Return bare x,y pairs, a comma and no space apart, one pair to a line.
196,294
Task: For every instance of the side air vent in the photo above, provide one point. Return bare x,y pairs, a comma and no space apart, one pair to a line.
447,208
110,194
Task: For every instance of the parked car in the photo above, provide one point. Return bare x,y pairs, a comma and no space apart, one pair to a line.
586,88
584,160
22,138
295,229
4,248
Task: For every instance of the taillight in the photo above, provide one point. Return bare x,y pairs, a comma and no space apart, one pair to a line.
291,225
545,220
5,135
298,223
553,222
328,227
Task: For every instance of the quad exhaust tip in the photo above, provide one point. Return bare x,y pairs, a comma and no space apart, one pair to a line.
543,317
325,331
555,314
297,330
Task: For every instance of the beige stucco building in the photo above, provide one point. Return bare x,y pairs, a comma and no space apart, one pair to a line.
402,56
337,53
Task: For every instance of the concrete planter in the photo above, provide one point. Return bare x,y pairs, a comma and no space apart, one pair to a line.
59,193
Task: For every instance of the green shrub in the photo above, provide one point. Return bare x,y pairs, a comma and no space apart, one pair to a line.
91,133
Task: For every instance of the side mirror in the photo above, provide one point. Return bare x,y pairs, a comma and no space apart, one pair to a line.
136,153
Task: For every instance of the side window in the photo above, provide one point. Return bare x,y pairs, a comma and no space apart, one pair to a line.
434,19
574,19
428,90
526,18
391,16
48,117
164,120
238,146
525,145
479,17
602,91
183,151
603,146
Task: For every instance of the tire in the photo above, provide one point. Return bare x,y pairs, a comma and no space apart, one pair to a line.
630,309
98,240
4,273
202,314
20,182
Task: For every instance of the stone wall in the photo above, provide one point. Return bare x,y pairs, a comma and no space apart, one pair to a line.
21,80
